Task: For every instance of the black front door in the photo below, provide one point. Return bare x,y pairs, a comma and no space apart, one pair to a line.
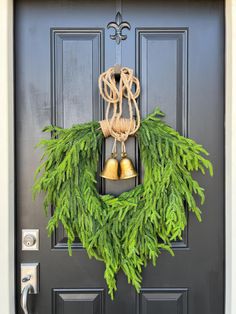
177,50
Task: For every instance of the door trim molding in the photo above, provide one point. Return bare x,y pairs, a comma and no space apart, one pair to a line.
7,245
230,157
7,258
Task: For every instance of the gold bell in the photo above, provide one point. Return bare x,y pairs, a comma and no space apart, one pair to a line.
127,170
110,170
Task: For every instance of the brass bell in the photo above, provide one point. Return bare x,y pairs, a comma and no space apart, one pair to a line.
127,170
110,170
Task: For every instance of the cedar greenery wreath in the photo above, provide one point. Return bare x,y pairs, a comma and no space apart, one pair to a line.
126,231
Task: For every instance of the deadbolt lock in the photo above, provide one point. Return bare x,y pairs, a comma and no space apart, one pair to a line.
30,239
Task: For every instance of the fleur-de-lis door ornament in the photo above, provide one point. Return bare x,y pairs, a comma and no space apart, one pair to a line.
118,26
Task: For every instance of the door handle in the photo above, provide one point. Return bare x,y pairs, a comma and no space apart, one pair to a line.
29,283
24,297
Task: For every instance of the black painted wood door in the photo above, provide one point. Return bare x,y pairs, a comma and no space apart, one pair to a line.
177,51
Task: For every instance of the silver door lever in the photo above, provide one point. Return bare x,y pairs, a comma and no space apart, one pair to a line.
24,297
29,283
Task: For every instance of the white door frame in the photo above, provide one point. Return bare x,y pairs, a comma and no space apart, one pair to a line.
230,157
7,245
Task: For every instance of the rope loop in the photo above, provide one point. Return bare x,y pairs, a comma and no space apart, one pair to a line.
113,93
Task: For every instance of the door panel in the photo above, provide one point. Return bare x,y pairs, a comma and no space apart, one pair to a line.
162,301
74,301
75,98
162,63
177,50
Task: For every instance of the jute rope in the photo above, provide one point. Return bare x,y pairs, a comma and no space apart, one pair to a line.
113,93
119,126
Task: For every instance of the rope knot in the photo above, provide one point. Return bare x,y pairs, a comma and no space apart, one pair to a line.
119,126
129,88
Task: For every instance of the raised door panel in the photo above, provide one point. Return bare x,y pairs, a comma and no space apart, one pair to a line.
162,301
76,62
78,301
162,70
162,58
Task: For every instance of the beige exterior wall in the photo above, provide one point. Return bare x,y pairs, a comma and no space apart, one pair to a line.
7,297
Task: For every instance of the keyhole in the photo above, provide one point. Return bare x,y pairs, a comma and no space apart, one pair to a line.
29,240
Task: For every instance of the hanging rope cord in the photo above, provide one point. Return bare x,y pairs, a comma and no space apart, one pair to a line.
117,126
